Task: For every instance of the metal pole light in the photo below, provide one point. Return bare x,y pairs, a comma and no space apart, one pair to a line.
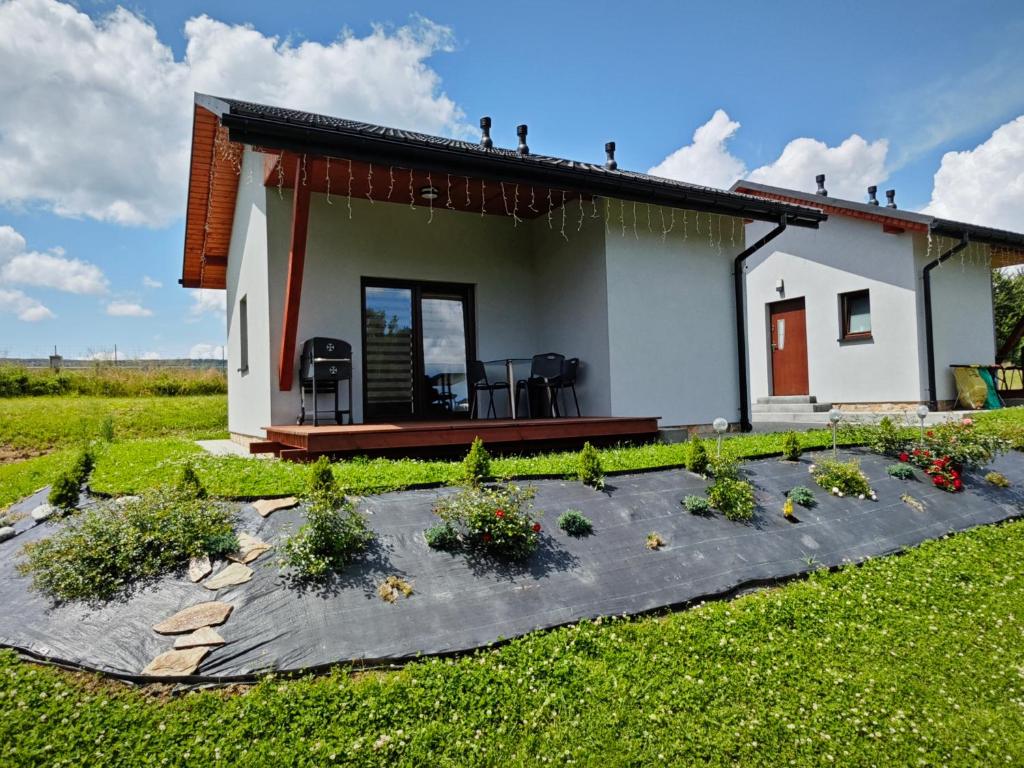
922,414
720,425
834,416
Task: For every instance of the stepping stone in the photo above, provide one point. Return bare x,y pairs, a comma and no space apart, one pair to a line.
7,532
43,512
198,616
267,506
205,636
176,663
199,567
236,573
249,548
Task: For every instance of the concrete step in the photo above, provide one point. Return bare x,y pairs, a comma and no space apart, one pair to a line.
782,417
791,407
791,399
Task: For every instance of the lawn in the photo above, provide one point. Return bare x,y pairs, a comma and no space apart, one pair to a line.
911,660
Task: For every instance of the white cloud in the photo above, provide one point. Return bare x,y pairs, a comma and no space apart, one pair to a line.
207,301
25,307
206,352
20,266
150,282
707,160
97,121
849,167
127,309
984,185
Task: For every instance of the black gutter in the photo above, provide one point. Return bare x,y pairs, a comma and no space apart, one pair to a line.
303,137
928,332
741,327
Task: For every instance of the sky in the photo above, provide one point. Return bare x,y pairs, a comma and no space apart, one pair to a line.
96,104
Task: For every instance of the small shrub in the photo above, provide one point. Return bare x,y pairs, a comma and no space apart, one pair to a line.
107,429
791,449
696,505
575,523
842,478
724,468
320,480
997,479
496,520
476,467
733,498
332,536
900,471
65,492
697,456
105,550
589,467
802,496
392,588
83,465
442,536
888,439
655,541
189,485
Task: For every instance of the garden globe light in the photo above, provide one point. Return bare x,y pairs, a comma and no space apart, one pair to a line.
720,425
834,416
922,414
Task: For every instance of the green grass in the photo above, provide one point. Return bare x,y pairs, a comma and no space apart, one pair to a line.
38,424
912,660
106,380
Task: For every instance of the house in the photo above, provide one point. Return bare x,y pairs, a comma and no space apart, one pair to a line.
870,311
427,253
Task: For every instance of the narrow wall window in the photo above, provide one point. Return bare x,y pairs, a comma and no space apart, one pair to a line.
855,314
243,335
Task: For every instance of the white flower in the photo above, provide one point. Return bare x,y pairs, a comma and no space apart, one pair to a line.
835,490
812,468
841,494
861,497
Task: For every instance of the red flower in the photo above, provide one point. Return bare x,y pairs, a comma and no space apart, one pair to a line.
958,483
487,538
927,453
904,456
930,433
917,451
500,513
536,527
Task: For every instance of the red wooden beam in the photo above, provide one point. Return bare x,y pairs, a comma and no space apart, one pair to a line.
293,287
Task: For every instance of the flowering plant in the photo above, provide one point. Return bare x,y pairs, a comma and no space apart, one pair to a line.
497,519
956,440
842,478
944,475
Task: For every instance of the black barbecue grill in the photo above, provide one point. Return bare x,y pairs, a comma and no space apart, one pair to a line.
324,366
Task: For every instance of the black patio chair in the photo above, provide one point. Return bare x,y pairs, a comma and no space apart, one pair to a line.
478,382
567,380
544,372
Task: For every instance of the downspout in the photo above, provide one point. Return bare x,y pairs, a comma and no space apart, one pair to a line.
741,328
928,333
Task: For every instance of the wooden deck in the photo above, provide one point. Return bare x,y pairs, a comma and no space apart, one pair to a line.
445,438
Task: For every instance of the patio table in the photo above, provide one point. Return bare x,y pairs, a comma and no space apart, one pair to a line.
510,364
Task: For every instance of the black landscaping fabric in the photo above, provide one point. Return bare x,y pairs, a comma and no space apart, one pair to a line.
460,604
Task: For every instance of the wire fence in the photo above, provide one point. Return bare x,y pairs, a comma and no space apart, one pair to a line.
112,356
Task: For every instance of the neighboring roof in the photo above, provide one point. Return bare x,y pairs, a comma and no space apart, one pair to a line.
275,128
1008,247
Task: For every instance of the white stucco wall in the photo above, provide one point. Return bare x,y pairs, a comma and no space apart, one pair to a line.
962,323
572,305
249,391
843,255
671,321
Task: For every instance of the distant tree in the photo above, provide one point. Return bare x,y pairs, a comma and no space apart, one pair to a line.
1008,305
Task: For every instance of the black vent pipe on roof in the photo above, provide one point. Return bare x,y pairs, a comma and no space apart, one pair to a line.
521,133
929,335
485,132
609,151
890,198
872,191
820,178
738,266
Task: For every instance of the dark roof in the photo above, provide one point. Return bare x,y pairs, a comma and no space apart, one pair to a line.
996,237
288,129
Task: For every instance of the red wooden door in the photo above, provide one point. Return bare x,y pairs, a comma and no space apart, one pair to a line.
789,347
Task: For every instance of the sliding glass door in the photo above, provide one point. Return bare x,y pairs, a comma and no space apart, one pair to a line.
417,342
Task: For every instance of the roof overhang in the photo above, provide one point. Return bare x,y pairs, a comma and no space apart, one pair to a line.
222,126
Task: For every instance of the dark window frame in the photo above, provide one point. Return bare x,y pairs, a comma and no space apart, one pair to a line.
844,316
243,334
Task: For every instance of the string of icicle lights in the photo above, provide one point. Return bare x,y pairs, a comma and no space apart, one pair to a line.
628,218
